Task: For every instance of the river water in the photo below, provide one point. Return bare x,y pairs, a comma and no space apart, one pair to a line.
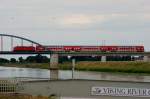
40,74
12,72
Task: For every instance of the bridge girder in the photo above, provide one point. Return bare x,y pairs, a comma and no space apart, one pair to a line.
22,38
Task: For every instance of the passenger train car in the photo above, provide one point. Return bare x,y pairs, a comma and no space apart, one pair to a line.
80,48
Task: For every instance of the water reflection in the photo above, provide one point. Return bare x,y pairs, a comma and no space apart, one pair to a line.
44,73
10,72
23,72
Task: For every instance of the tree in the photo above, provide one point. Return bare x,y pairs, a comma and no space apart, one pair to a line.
3,60
41,59
38,59
30,59
13,60
21,60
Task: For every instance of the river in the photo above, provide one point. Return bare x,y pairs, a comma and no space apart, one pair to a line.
12,72
40,74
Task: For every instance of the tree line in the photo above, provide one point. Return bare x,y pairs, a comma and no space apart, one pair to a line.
32,59
44,59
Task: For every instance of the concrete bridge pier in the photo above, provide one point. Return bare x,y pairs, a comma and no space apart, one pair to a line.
54,66
146,58
103,59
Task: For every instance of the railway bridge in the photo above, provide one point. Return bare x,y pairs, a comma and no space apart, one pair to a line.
5,50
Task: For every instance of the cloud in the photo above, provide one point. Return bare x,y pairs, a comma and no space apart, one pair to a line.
78,20
56,20
75,20
146,16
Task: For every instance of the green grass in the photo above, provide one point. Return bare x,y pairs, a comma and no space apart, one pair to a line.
19,96
123,67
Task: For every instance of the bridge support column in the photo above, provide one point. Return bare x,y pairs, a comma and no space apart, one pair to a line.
146,58
54,66
103,58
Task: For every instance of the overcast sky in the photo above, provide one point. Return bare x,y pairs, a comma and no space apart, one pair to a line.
77,21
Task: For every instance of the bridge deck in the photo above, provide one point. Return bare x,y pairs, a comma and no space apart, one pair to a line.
80,53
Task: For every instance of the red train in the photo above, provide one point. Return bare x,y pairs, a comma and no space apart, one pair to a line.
24,48
80,48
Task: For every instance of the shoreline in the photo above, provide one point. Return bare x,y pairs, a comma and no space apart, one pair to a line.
110,67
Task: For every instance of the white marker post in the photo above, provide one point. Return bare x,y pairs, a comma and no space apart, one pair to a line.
73,68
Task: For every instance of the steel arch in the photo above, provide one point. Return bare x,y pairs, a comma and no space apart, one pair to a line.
22,38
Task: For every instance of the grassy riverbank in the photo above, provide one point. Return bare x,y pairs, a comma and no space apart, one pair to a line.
124,67
13,96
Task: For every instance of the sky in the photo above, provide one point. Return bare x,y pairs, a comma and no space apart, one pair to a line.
78,22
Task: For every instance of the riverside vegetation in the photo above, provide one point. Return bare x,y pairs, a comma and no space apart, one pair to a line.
122,67
18,96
